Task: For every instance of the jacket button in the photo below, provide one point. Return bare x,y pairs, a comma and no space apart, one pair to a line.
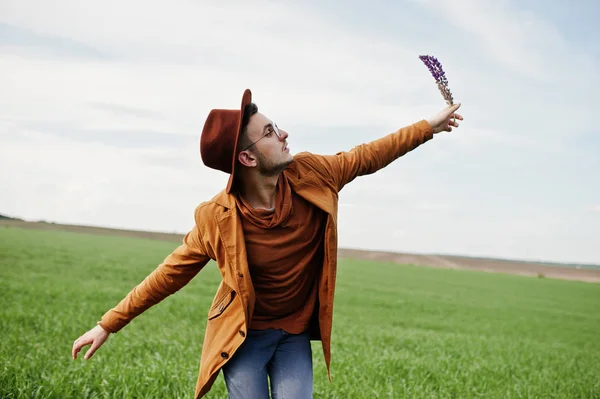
243,334
224,355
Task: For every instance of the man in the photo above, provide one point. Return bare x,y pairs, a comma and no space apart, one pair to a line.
273,234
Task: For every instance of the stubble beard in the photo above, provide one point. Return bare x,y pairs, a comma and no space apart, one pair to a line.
269,168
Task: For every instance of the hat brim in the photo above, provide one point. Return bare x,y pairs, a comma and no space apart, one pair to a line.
246,99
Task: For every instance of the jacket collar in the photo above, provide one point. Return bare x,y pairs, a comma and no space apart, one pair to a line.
225,200
302,185
299,185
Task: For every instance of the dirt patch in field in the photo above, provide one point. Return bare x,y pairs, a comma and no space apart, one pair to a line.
532,269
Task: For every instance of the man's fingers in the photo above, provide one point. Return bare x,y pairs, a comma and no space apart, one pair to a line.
78,344
449,111
76,348
453,108
457,116
95,345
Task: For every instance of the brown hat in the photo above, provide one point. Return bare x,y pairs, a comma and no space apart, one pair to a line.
220,136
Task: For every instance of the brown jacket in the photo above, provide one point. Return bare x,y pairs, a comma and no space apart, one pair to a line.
218,235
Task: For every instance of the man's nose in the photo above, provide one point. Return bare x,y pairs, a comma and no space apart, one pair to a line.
284,135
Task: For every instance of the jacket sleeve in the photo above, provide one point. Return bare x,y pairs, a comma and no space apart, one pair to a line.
365,159
170,276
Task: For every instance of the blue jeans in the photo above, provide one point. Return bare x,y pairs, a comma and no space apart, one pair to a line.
285,358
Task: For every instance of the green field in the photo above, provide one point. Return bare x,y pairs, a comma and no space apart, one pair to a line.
399,331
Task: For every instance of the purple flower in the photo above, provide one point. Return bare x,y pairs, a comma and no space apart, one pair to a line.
435,67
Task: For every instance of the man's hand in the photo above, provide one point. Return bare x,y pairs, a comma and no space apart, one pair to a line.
96,336
445,119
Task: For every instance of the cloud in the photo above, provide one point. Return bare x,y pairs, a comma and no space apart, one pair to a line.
516,39
102,107
125,137
25,41
429,207
92,183
126,110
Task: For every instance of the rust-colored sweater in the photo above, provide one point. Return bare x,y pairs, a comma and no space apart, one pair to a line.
285,255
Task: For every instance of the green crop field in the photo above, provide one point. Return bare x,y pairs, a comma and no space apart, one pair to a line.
399,331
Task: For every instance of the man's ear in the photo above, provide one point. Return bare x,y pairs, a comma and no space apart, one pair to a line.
247,159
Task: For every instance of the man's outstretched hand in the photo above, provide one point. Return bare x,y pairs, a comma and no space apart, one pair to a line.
96,337
446,119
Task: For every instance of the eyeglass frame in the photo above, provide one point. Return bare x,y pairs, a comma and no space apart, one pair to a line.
275,130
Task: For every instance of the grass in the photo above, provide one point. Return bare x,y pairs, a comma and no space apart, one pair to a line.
399,331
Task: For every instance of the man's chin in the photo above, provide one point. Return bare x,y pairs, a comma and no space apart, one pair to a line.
277,169
287,163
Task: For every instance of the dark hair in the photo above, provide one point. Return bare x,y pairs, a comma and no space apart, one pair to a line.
249,110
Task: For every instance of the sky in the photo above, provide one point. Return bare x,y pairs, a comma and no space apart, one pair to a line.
102,105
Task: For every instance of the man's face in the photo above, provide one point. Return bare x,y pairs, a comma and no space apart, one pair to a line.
271,152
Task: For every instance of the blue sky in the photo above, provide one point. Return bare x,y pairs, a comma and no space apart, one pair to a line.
102,105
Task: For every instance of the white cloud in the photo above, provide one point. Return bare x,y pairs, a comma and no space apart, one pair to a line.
96,76
514,38
429,207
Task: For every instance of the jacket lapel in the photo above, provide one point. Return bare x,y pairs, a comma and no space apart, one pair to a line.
232,237
310,188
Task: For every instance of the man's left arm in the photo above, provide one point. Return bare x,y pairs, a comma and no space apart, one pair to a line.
365,159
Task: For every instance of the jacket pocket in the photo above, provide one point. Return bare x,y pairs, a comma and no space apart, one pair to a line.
221,303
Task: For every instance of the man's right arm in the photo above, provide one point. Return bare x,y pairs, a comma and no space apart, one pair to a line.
169,277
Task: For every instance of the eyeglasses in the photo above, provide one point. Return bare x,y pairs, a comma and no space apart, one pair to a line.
271,129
